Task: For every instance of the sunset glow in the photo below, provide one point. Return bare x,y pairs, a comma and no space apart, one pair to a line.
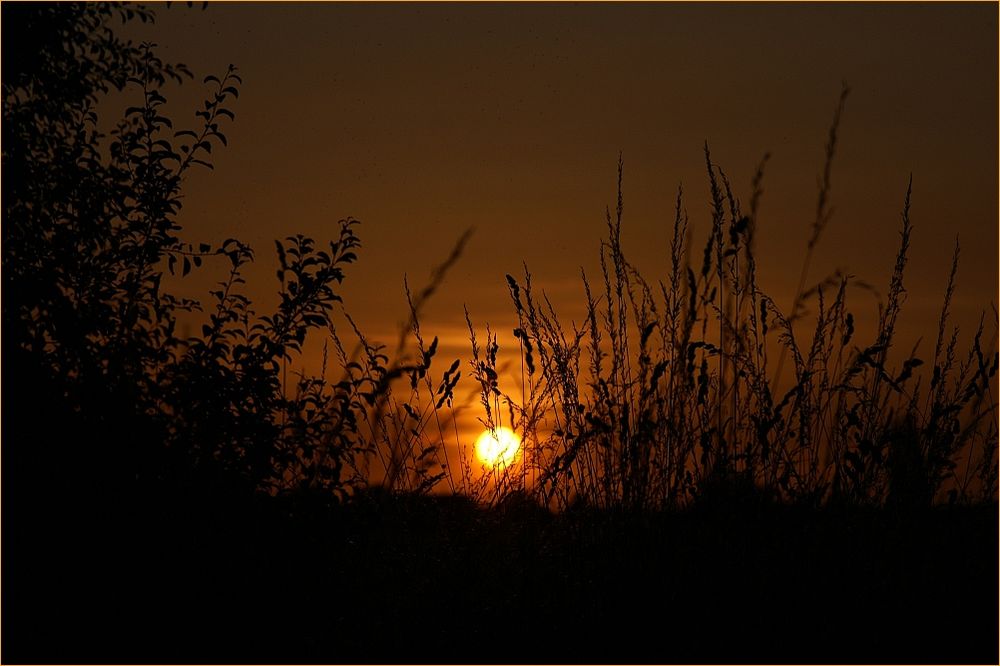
366,332
500,448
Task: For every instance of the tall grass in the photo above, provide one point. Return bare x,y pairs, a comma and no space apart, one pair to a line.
672,390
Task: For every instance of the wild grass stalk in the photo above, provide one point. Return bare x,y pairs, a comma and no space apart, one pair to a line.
646,425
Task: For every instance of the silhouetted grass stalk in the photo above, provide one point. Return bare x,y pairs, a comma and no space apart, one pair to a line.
650,425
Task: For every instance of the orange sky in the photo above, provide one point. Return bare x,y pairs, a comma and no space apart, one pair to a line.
424,119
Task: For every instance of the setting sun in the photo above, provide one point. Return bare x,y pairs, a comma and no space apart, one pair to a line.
500,448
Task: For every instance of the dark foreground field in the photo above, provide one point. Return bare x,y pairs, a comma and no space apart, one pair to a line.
410,580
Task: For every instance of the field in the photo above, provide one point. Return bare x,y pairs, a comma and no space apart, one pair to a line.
702,474
422,580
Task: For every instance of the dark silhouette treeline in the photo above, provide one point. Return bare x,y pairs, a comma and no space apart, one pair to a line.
178,499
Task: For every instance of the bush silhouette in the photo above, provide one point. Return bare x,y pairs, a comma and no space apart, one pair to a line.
90,228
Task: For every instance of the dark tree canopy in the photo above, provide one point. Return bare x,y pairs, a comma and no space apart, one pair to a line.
116,428
90,228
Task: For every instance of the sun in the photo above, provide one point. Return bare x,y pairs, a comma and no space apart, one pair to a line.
498,449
